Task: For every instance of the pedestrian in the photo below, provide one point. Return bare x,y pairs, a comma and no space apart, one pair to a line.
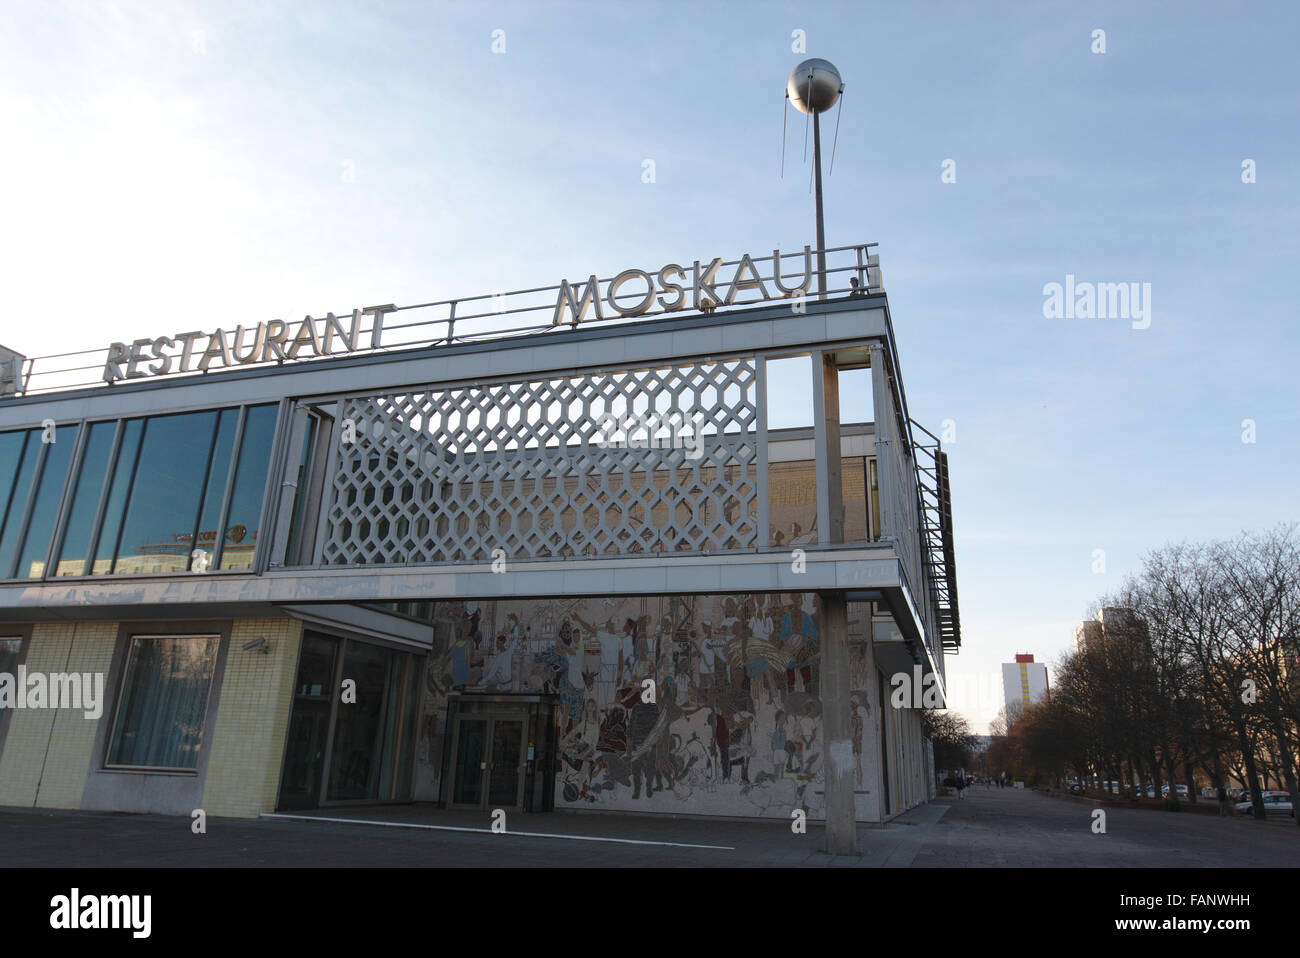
960,784
1223,801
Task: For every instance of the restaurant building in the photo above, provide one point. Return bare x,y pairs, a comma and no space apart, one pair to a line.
419,555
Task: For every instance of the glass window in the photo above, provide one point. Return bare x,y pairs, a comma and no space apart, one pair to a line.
45,507
302,492
71,557
164,701
162,494
10,646
316,666
215,490
163,507
18,454
250,482
875,500
354,772
123,473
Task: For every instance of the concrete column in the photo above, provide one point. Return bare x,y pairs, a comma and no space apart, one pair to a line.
841,823
826,442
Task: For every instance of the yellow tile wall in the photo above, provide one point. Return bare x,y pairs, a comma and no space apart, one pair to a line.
48,752
243,775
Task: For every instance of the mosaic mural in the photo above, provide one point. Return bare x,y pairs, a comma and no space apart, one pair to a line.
735,726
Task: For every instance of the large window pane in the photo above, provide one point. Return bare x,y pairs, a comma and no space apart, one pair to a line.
10,646
71,558
123,473
358,731
218,472
45,507
250,482
162,494
18,455
163,703
302,491
165,496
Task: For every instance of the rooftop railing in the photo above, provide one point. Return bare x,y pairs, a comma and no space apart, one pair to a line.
539,309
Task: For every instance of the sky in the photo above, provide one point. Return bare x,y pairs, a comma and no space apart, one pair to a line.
167,166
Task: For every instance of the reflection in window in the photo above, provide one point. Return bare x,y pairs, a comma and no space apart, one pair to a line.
250,481
85,500
19,452
163,702
164,501
875,500
215,487
10,647
45,507
373,735
123,473
167,486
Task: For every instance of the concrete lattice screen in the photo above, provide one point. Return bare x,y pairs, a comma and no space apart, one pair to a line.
452,474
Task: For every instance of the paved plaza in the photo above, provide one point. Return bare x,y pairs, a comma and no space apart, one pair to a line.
986,828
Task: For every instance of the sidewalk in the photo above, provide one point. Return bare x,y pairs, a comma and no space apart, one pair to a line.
423,836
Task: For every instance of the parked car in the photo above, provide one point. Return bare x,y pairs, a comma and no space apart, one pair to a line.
1275,803
1181,791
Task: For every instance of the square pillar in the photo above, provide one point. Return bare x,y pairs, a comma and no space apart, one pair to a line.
826,449
837,732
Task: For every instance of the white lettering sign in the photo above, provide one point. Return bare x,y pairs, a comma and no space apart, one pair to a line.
635,291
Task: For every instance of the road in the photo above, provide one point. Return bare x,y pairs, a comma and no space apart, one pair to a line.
986,828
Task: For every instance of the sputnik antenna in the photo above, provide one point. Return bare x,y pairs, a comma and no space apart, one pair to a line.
814,87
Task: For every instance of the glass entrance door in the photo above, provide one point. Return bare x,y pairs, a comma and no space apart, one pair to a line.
505,771
488,762
354,747
308,733
471,762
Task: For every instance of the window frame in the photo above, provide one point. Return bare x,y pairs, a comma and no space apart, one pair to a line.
23,633
122,679
74,476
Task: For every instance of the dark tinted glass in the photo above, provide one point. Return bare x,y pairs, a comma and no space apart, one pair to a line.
164,499
218,471
316,666
164,702
10,647
250,482
122,475
358,744
301,492
18,455
45,508
85,499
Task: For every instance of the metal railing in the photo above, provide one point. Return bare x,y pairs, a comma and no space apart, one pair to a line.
463,319
934,501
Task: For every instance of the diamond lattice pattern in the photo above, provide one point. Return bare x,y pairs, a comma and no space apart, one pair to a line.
455,474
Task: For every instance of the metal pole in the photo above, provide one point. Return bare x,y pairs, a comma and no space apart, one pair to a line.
821,225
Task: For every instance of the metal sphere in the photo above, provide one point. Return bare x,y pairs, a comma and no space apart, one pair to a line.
818,94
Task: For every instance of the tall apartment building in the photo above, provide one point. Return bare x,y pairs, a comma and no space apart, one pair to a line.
1024,681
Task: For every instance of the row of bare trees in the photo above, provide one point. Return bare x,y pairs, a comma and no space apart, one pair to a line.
1193,674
